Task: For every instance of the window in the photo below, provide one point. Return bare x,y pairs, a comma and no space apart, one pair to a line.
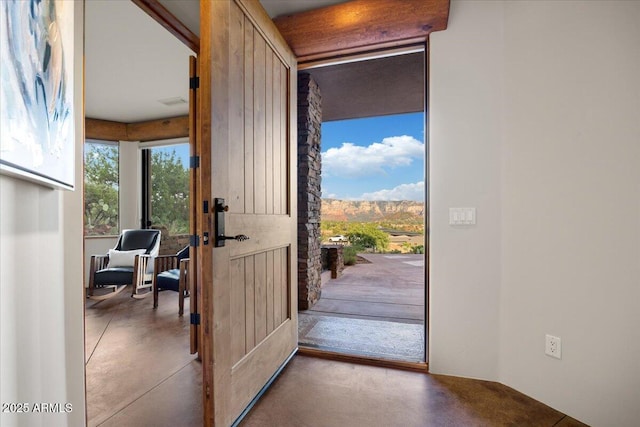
101,188
166,188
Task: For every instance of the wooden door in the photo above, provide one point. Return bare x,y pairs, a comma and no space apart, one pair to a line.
248,99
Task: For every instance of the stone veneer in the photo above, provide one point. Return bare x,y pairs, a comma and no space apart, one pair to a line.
309,195
171,244
333,259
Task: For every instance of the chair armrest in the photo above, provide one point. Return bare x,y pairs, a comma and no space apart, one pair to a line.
140,267
164,263
184,267
98,262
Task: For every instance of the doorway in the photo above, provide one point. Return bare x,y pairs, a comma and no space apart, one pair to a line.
128,102
373,209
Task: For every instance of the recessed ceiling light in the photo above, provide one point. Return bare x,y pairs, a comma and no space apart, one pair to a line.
172,102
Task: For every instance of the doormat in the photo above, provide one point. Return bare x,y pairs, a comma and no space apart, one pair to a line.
375,338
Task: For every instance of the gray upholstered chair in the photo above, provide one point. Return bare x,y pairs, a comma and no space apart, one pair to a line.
129,263
171,272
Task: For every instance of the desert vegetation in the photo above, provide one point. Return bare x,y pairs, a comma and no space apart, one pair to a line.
374,226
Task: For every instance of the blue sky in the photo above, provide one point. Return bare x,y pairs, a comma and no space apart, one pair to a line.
379,158
181,150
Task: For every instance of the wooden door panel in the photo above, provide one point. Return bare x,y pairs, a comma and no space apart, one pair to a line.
255,370
270,292
242,160
288,90
248,115
252,324
259,311
259,126
261,168
239,308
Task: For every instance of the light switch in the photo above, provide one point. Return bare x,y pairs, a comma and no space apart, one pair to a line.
462,216
469,216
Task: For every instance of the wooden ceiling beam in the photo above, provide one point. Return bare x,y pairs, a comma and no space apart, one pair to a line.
361,25
156,130
105,130
152,130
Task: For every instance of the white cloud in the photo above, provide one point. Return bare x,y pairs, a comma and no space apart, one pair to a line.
353,161
413,191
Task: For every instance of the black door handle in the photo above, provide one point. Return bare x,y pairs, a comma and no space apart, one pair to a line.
220,209
239,237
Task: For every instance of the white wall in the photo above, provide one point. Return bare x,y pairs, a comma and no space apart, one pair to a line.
130,185
41,298
567,195
465,120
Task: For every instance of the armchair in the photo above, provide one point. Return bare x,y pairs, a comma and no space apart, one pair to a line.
171,272
131,262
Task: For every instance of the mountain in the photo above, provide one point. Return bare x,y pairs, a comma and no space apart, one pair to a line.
371,211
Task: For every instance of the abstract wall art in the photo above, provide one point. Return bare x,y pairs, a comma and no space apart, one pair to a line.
37,126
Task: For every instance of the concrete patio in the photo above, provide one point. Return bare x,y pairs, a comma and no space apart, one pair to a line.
374,309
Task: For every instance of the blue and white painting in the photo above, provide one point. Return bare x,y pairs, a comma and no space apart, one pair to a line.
36,92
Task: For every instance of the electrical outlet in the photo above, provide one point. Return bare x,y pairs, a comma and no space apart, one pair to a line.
553,346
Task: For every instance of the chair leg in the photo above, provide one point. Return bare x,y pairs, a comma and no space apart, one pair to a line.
182,285
181,302
155,295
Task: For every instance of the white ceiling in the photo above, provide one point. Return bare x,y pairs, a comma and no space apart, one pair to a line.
132,62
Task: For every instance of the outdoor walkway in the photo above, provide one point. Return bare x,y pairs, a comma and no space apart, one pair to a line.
374,309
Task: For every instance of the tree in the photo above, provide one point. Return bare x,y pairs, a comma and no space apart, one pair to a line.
367,235
101,189
170,192
169,196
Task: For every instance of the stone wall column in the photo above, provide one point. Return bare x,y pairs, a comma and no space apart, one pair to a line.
309,195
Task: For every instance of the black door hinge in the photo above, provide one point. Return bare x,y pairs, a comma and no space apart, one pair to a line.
194,162
195,318
194,240
194,82
205,206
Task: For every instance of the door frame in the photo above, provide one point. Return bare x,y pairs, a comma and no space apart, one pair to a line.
380,51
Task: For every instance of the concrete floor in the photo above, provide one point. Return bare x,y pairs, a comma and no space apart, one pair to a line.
140,373
136,354
314,392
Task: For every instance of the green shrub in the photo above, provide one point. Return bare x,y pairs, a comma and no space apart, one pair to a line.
350,254
418,249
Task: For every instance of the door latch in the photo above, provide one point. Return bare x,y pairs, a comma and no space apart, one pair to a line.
220,209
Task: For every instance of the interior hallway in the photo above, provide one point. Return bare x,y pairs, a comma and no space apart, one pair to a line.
140,373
